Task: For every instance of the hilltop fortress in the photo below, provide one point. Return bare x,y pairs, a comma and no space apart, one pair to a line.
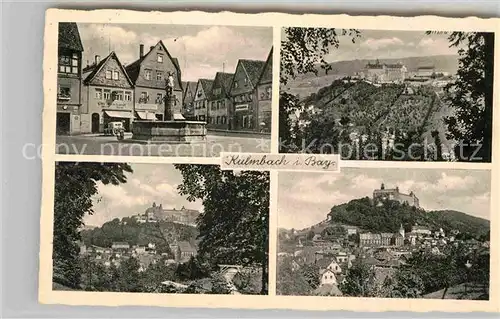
394,194
157,213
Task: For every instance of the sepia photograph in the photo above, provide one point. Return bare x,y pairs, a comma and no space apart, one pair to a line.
160,228
385,233
387,94
163,90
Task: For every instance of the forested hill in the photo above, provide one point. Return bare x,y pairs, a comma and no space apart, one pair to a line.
128,230
388,218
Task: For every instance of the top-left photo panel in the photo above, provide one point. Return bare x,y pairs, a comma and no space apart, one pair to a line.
163,90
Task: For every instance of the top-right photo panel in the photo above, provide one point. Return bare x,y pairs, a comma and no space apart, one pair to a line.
387,95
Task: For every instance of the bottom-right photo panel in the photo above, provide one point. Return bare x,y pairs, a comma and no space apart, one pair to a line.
385,233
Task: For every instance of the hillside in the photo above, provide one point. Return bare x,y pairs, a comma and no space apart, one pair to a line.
389,217
305,84
128,230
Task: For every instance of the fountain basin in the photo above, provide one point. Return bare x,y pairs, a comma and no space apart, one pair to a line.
178,131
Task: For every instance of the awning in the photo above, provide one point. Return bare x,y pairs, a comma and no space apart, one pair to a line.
118,114
146,115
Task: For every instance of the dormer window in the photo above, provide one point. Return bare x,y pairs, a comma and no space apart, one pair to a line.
159,58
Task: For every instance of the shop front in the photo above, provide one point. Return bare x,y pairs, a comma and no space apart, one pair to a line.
148,112
124,116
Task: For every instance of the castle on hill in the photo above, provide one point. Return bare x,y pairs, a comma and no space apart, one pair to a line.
383,193
157,213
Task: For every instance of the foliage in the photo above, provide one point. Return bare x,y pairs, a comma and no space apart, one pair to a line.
310,273
233,228
360,281
76,184
160,233
193,269
290,282
471,95
303,48
388,217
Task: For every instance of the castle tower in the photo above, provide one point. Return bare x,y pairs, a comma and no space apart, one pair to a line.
382,186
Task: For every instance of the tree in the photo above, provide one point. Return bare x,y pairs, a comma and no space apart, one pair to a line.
129,277
406,284
290,282
75,186
233,228
302,49
471,95
360,281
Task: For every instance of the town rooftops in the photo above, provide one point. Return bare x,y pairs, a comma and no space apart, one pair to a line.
324,262
206,85
226,79
69,37
95,68
134,68
426,67
267,71
253,69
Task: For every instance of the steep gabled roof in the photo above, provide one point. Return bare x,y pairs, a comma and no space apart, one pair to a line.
253,69
206,85
224,79
266,75
69,37
134,68
94,69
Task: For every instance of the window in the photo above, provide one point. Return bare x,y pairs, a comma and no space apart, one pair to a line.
159,75
218,120
128,96
235,85
64,92
144,97
107,94
147,74
213,105
245,80
108,75
98,94
268,92
117,96
69,64
116,76
159,58
159,98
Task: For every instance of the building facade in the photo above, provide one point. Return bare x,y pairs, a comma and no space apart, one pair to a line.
264,95
220,104
383,194
244,95
107,95
385,73
148,75
69,79
201,98
188,99
426,71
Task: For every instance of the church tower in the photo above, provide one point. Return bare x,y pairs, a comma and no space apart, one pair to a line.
402,230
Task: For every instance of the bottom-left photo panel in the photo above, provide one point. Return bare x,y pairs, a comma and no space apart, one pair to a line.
160,228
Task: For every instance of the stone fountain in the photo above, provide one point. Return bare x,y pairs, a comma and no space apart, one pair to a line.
174,129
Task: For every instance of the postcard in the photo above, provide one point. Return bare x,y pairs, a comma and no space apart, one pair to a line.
270,161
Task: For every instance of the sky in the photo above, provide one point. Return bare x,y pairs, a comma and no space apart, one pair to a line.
373,44
147,184
201,50
304,199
